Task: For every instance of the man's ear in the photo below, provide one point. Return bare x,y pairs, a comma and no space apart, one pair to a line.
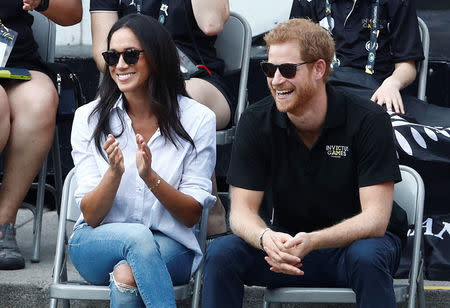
319,69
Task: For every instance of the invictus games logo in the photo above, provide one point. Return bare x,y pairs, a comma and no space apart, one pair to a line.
336,151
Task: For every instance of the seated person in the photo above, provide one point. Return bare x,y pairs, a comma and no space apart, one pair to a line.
144,153
325,157
27,114
193,25
376,66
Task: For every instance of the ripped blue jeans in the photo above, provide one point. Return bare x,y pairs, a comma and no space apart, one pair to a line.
157,262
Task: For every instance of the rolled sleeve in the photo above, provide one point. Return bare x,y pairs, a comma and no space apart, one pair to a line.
199,163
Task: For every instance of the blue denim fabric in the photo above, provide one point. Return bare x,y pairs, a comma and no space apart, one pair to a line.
366,266
157,261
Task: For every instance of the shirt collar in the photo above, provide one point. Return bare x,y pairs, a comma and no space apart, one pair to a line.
119,104
336,111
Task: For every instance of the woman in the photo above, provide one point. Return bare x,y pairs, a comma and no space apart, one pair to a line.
194,25
144,153
27,114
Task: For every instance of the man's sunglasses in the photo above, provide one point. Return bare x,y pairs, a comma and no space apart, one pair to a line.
130,56
287,70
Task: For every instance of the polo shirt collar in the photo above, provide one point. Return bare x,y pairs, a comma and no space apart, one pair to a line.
336,111
336,108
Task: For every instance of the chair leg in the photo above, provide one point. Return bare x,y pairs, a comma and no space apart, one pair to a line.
39,211
56,156
53,303
197,287
420,287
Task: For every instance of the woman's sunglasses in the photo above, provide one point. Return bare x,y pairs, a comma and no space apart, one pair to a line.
287,70
130,56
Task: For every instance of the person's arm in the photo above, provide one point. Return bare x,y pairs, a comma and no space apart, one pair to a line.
97,203
389,92
211,15
184,207
376,206
62,12
246,223
101,23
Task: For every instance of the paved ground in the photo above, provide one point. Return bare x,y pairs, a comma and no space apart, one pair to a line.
30,287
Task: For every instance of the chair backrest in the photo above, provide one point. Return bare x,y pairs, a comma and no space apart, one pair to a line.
44,32
423,69
410,194
70,185
233,47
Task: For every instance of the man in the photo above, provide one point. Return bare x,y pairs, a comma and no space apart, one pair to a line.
328,159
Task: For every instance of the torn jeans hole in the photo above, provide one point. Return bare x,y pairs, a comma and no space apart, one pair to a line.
123,287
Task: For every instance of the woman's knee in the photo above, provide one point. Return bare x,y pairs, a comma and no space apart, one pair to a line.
123,277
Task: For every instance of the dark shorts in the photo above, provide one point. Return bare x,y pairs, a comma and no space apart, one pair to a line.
220,83
32,65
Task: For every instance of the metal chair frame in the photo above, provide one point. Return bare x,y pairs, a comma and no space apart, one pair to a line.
65,289
423,68
409,194
233,47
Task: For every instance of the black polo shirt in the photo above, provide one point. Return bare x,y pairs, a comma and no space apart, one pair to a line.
317,188
398,41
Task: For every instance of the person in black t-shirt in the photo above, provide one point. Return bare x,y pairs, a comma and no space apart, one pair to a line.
398,49
194,25
328,158
27,114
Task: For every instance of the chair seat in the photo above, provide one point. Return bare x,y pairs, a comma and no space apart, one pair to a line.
323,295
83,291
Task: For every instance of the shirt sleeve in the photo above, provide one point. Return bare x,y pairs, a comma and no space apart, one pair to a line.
248,165
406,44
86,170
200,162
104,5
377,159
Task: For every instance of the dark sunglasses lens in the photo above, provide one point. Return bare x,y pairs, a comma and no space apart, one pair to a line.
111,57
131,56
288,70
268,69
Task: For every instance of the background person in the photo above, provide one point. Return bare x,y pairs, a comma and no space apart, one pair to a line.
398,49
194,25
325,157
27,114
144,153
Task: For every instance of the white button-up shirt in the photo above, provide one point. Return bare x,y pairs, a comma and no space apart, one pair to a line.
184,168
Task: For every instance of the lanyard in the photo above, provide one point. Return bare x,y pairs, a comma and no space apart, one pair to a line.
374,32
163,11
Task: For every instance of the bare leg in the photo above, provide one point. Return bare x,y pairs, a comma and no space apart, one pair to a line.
208,95
33,107
4,118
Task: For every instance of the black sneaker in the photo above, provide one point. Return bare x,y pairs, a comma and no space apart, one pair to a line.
10,256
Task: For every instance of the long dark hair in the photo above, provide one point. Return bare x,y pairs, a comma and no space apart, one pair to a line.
164,84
